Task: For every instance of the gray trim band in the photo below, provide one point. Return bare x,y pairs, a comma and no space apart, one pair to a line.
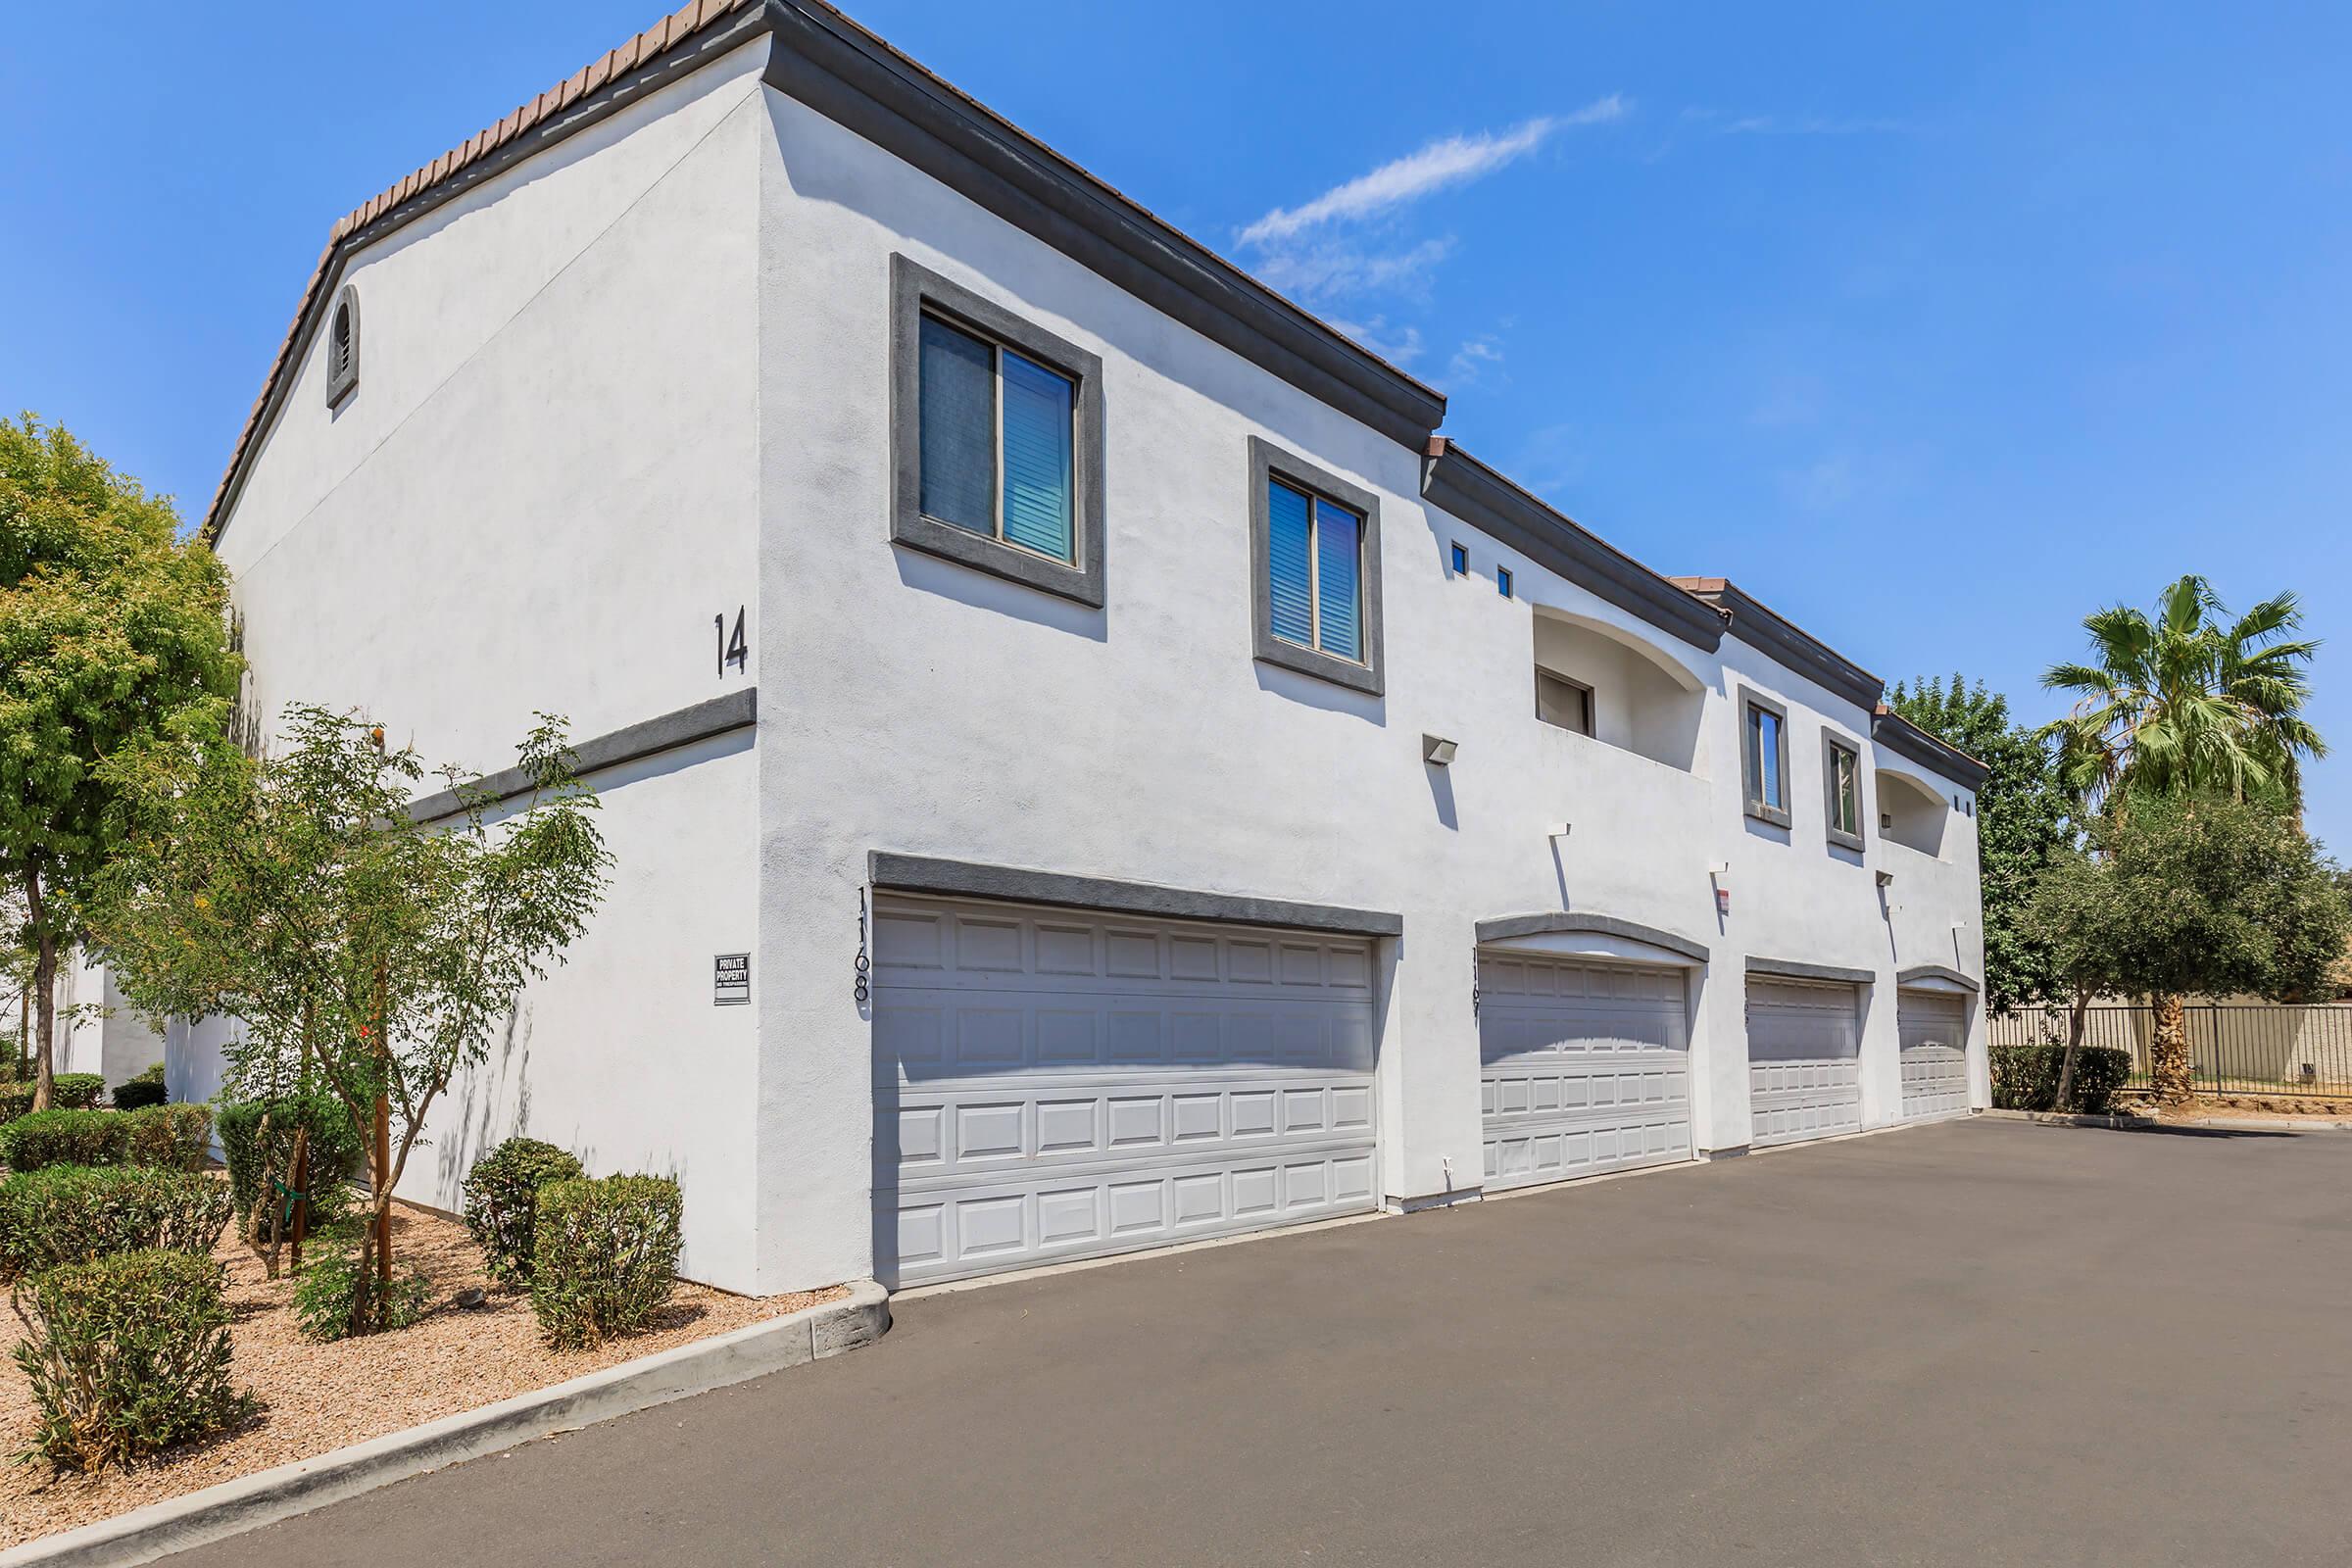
1791,969
1570,922
1937,972
1780,639
1268,461
918,873
845,74
1907,739
682,727
1468,489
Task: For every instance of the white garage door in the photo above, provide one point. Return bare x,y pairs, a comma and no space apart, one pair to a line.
1804,1077
1935,1033
1585,1068
1053,1083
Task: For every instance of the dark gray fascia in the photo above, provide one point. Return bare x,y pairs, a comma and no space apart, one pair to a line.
1832,743
1468,489
1791,969
1905,739
1266,460
681,728
1936,971
912,286
1750,796
1570,922
849,75
1770,634
917,873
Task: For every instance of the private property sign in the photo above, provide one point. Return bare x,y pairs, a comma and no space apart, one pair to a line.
731,979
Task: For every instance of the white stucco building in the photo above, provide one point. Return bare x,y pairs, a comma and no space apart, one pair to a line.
1157,785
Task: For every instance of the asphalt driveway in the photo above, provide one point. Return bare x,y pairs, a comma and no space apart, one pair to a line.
1974,1343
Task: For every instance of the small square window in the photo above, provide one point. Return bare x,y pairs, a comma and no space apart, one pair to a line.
1502,581
1565,703
1461,561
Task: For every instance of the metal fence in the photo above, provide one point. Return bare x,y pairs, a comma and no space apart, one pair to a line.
2234,1048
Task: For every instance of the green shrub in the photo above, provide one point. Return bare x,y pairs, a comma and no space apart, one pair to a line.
128,1355
16,1099
502,1193
76,1091
333,1290
146,1089
73,1213
174,1136
64,1138
2026,1077
607,1253
255,1155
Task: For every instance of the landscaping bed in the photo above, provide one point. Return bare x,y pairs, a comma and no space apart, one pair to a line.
321,1396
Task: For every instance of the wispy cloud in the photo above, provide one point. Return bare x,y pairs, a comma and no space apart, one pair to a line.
1473,360
1399,345
1725,124
1334,268
1450,161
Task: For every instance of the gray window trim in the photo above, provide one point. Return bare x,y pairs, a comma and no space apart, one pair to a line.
972,879
1592,700
1832,743
342,381
915,289
1936,971
1574,922
1268,463
1795,970
1778,815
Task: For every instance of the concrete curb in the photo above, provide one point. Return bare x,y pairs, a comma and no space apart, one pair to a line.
2149,1124
269,1495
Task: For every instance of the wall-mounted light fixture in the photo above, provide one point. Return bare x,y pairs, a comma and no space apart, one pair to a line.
1437,750
1885,879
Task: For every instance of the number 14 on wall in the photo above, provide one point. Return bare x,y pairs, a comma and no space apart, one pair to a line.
732,648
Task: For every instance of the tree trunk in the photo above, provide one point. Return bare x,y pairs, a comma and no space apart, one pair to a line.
383,1203
44,986
2168,1054
2074,1049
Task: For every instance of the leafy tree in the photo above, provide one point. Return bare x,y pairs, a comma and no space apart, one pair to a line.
2186,703
112,632
362,951
2021,825
2180,895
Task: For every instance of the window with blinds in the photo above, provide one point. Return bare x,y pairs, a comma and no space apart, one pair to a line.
997,440
1315,572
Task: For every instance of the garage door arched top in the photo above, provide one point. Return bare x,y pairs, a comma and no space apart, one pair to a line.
1672,948
1798,969
1926,974
969,879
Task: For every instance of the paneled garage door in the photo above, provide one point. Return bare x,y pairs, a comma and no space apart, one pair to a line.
1935,1032
1053,1084
1584,1067
1804,1071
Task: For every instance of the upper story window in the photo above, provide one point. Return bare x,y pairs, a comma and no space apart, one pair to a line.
1764,757
1315,560
997,439
343,346
1842,781
1563,702
1461,561
1502,581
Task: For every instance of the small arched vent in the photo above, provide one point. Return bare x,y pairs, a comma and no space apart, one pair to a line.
343,346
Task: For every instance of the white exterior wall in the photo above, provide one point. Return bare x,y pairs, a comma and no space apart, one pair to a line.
538,497
933,709
116,1043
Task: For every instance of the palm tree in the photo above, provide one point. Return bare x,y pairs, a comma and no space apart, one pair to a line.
2187,703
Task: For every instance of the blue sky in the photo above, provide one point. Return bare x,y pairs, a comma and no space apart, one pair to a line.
1935,326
